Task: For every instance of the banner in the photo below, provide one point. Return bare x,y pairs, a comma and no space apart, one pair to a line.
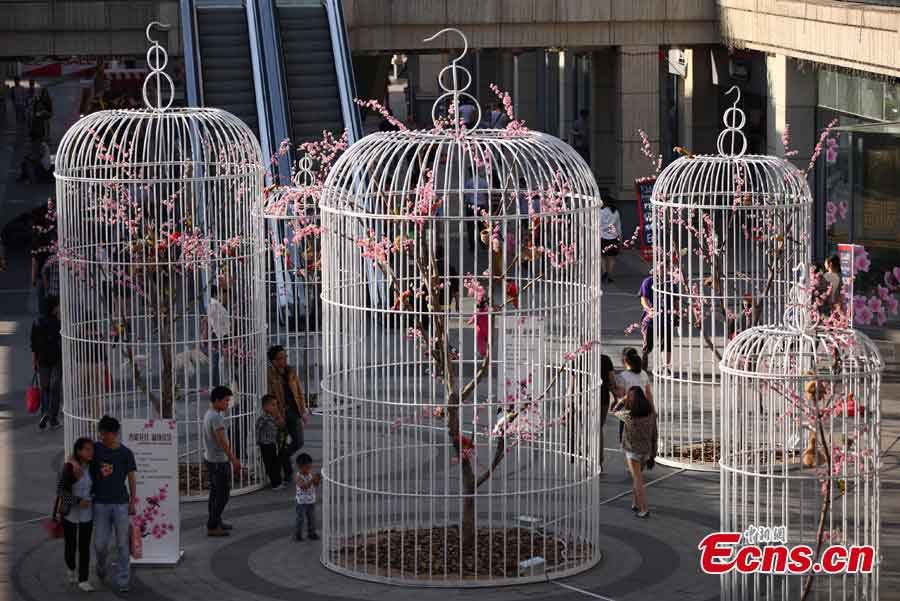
847,253
644,187
155,447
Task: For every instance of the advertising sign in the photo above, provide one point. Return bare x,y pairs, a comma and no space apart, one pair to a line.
155,447
644,187
847,254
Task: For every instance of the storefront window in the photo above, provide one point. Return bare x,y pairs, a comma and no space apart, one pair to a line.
863,171
875,221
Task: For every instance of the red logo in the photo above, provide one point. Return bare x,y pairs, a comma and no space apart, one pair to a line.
722,552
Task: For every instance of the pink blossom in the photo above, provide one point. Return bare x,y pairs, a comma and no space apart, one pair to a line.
786,142
875,304
647,151
861,261
474,288
381,110
883,293
818,149
832,152
862,316
892,304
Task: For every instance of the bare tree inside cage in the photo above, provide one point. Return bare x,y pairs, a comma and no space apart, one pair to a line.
461,302
159,254
728,229
801,450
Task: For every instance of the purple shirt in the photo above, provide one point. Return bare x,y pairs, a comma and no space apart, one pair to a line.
646,292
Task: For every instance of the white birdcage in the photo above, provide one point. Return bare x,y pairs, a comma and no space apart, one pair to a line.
801,450
727,231
462,431
292,277
159,255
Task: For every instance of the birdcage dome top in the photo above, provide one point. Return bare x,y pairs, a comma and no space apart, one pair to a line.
124,140
785,352
295,198
384,167
158,141
731,178
740,182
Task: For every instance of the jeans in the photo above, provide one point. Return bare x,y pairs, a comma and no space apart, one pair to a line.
270,460
109,517
219,492
78,537
294,428
51,390
308,511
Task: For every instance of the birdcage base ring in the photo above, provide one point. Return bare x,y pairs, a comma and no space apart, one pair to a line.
701,456
192,477
430,557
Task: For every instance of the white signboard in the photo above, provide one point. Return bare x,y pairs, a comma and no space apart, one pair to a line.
525,358
155,447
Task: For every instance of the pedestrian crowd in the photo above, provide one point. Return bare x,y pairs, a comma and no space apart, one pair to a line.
33,109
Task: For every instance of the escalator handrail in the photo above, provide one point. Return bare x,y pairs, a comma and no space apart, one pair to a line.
192,68
343,64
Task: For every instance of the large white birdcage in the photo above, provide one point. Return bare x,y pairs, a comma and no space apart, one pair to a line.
801,451
461,304
727,230
159,253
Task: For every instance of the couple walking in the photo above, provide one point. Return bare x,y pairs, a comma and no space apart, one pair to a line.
95,498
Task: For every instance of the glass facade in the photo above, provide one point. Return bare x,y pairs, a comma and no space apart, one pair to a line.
862,184
874,98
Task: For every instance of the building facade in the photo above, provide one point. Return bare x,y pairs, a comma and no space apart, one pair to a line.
661,66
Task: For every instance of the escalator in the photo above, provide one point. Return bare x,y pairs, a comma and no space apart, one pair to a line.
282,66
223,74
313,97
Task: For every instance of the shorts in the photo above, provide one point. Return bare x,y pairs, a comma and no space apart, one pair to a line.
609,247
647,333
639,457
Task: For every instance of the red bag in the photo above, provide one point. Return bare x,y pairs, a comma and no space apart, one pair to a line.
33,396
54,527
137,545
54,524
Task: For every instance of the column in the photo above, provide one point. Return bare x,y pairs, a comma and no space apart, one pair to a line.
698,127
792,101
602,119
636,106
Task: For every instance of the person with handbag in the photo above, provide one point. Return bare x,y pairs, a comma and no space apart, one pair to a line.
639,443
75,510
46,348
112,467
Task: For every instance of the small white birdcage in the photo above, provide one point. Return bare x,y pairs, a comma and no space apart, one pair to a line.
159,254
293,273
727,230
461,304
801,451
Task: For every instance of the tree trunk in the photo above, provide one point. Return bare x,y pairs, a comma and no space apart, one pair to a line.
167,376
467,535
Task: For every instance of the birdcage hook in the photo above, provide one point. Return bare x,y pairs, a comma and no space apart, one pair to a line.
157,59
454,90
734,120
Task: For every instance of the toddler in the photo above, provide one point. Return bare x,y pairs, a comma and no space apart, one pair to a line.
267,426
306,483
